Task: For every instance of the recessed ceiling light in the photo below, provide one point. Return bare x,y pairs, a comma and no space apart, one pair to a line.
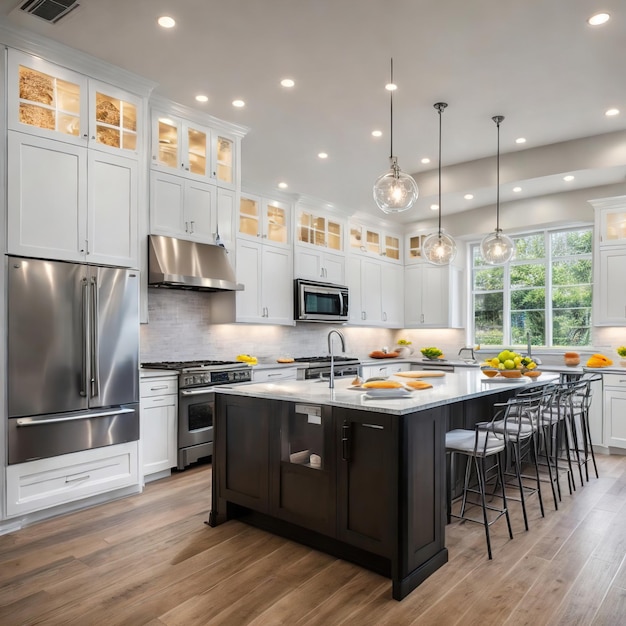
377,133
611,112
520,140
469,196
287,82
391,86
239,103
425,160
434,207
568,178
283,185
516,189
322,155
202,98
598,18
165,21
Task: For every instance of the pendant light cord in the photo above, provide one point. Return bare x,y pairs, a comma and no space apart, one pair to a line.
440,109
391,114
498,119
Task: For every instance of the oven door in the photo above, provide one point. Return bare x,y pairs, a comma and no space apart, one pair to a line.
196,409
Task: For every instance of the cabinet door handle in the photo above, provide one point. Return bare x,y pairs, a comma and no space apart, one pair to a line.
422,318
186,227
159,387
363,316
376,426
76,478
384,316
191,225
345,441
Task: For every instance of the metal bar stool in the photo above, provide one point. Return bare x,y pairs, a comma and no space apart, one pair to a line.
478,445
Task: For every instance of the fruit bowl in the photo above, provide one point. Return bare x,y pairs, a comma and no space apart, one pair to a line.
432,353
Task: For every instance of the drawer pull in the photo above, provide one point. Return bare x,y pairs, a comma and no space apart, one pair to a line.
76,478
159,387
376,426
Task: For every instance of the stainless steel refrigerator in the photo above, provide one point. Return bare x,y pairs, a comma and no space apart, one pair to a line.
73,357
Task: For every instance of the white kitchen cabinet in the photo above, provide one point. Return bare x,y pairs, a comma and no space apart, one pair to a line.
194,150
384,369
377,242
376,293
413,245
432,296
615,410
225,216
320,265
159,419
53,102
180,207
45,483
264,218
266,272
609,296
70,203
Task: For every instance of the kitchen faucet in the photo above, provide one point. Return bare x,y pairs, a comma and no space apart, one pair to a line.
529,350
331,382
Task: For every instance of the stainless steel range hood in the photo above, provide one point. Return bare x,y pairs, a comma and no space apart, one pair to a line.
182,264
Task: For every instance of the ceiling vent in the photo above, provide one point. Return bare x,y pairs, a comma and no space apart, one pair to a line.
49,10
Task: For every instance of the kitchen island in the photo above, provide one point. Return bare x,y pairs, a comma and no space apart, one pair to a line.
360,477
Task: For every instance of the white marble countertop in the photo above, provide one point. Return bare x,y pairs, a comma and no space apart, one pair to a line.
453,387
154,373
418,360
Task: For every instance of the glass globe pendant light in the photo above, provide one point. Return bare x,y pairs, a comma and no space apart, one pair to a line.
394,191
439,248
497,248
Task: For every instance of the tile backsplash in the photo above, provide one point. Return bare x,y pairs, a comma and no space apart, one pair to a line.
180,328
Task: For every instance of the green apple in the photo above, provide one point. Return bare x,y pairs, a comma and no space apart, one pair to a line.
509,364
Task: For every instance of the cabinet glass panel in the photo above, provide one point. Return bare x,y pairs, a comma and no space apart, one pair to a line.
49,102
302,437
415,246
249,217
615,225
116,122
373,241
276,224
168,142
224,160
392,247
356,238
304,228
334,236
197,151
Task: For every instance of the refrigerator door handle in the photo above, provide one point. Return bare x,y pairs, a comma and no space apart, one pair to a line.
95,374
37,421
85,316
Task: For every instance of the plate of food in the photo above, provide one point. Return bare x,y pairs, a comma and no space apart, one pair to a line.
380,354
391,392
421,374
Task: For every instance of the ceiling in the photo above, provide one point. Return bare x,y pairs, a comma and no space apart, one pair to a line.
539,64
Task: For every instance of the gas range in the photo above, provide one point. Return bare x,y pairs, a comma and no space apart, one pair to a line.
203,373
319,366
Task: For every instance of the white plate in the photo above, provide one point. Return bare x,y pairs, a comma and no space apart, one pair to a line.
398,392
503,379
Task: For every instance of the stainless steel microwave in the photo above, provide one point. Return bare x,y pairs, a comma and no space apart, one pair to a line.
320,302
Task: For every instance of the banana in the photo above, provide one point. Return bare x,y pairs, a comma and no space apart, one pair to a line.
246,358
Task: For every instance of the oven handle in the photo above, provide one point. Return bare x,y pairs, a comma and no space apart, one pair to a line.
37,421
197,392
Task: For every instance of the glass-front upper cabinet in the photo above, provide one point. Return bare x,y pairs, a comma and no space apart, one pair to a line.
613,226
180,145
373,241
414,245
319,230
51,101
264,218
46,99
224,158
114,118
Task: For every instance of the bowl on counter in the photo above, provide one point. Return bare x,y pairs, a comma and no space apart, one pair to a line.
511,373
533,373
490,373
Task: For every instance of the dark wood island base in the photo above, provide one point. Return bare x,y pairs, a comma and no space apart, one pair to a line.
378,498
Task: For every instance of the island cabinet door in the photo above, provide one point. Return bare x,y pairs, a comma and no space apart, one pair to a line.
423,488
242,454
303,481
367,480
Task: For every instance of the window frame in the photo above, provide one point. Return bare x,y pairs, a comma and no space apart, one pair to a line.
547,261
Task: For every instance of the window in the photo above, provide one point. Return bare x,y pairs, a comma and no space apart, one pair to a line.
545,291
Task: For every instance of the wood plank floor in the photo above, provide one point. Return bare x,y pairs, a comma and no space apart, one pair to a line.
150,559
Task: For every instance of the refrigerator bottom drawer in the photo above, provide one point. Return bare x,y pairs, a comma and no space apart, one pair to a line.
54,435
